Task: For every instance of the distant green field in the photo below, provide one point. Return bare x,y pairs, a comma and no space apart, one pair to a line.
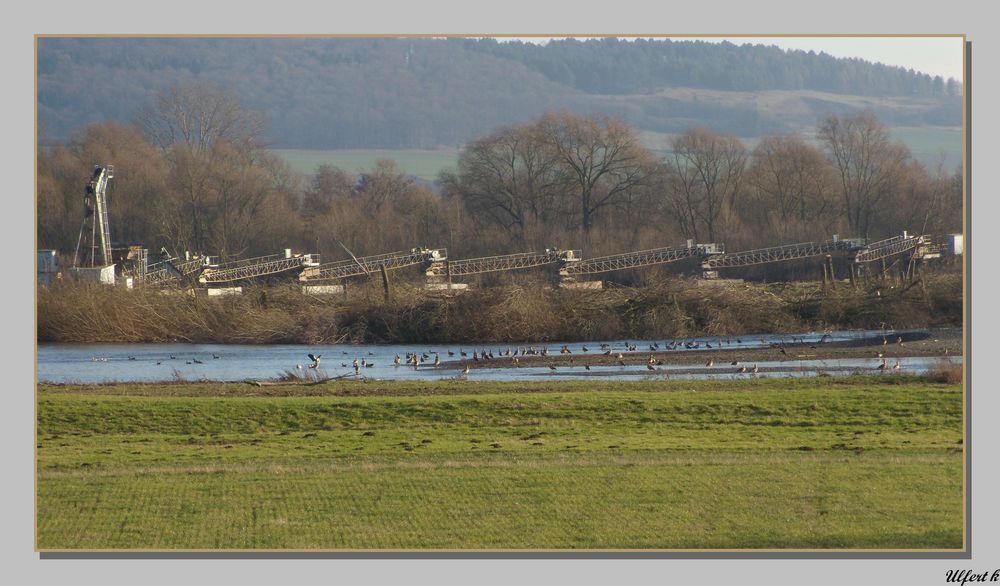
424,164
835,463
928,143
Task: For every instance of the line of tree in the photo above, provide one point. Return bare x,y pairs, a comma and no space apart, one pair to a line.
194,174
617,66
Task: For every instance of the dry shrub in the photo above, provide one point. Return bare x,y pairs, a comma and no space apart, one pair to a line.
945,371
525,312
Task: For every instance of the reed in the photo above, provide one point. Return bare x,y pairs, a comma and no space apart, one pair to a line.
515,312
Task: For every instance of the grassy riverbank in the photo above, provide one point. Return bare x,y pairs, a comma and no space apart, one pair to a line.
818,463
514,313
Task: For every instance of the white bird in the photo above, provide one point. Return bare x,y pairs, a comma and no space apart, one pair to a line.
465,371
315,360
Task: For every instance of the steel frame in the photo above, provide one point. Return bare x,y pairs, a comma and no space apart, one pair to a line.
254,267
889,247
171,269
491,264
628,260
778,253
367,264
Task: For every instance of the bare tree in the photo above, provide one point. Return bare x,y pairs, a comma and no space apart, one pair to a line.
383,185
197,114
189,121
707,169
601,159
509,179
790,187
868,164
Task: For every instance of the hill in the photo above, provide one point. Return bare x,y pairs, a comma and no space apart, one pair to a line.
396,93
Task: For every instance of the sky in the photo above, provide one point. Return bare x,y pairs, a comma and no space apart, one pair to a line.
932,55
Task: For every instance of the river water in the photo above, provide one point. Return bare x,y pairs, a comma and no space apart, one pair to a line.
99,363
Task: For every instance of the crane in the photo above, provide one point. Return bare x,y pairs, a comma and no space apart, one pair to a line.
95,220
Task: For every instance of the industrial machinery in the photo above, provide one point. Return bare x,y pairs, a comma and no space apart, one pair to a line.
94,241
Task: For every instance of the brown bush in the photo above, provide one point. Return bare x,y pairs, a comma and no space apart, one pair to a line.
945,371
515,312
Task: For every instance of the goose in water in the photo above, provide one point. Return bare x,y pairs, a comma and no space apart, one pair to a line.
315,360
465,371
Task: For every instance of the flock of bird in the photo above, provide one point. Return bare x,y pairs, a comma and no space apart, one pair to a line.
158,362
432,358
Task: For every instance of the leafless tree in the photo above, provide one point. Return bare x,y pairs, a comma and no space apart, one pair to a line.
868,165
191,122
706,169
197,114
601,160
510,180
790,188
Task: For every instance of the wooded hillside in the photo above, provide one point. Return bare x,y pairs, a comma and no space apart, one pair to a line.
425,93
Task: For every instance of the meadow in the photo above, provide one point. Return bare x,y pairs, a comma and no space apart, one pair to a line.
422,163
843,463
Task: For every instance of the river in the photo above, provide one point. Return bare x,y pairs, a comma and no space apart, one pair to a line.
104,363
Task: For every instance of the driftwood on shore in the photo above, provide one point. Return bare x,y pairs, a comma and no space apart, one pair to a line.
299,383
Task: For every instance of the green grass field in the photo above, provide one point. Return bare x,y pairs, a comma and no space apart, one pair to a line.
818,463
424,164
929,143
926,144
